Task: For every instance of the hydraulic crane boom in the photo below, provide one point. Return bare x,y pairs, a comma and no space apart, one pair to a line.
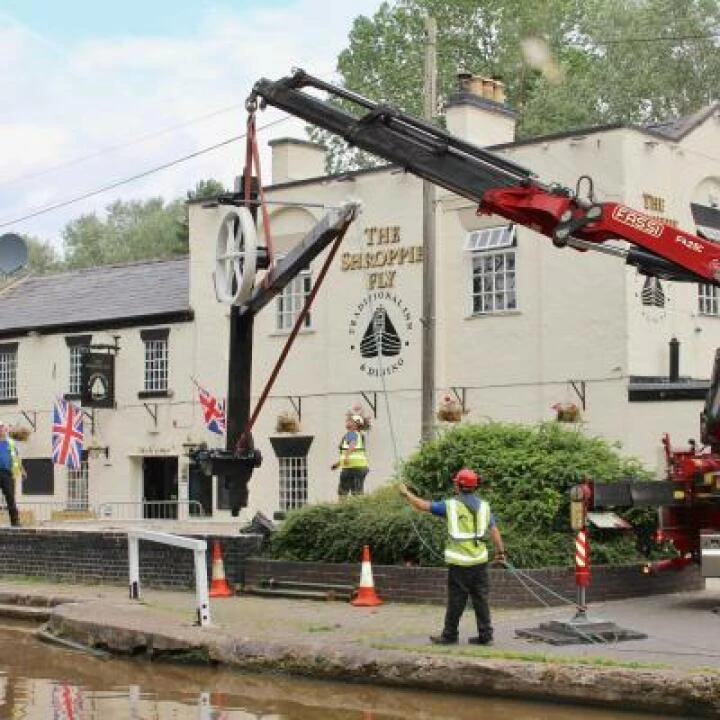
499,186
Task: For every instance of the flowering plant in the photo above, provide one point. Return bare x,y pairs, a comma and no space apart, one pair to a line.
567,412
449,409
19,432
287,422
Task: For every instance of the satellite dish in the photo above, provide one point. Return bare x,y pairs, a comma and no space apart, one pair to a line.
236,257
13,253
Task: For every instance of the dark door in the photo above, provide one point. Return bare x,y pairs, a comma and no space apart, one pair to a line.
160,487
199,489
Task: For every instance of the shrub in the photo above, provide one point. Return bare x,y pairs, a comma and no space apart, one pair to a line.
526,471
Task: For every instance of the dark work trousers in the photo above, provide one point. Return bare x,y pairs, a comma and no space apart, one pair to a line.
352,481
464,582
7,485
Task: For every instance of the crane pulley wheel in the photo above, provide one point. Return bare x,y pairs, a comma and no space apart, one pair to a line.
236,257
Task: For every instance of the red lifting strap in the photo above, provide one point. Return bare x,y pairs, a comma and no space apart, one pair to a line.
252,155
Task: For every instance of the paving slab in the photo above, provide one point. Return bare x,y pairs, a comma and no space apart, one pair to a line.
676,668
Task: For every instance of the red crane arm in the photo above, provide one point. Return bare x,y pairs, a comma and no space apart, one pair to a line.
499,185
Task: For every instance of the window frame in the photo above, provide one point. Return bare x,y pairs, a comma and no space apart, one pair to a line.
77,345
709,297
8,385
78,478
155,366
484,247
296,297
292,482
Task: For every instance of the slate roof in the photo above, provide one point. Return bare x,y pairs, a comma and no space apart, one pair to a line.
108,296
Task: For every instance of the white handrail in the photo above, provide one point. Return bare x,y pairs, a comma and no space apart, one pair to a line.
199,548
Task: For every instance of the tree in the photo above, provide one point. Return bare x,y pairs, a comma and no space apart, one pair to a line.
42,255
206,190
133,230
605,60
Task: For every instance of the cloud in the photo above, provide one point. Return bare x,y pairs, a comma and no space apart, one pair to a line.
61,103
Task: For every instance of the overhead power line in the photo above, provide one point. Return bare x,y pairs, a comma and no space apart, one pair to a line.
119,146
655,38
133,178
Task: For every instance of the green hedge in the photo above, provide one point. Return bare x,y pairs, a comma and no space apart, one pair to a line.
526,471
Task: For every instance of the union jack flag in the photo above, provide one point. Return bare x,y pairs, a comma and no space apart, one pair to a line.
67,434
213,411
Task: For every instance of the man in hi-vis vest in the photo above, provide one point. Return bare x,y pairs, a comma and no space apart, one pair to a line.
11,469
353,460
469,522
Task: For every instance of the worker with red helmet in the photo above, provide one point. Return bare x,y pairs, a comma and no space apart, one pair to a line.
469,522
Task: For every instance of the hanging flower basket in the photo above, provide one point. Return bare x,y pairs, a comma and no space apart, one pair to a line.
20,433
567,412
287,422
449,410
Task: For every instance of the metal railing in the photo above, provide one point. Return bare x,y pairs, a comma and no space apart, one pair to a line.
151,510
199,549
42,512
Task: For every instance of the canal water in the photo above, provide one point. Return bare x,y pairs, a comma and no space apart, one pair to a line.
46,682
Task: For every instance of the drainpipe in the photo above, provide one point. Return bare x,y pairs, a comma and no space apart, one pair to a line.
674,360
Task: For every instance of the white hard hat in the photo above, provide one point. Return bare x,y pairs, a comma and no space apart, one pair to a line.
358,419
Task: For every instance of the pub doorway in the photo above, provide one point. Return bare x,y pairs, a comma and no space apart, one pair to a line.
160,488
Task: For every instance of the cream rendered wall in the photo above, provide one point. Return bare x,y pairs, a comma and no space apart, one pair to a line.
324,365
667,171
570,323
579,316
128,431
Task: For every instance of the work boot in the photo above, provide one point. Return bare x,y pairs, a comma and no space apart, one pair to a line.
443,640
481,640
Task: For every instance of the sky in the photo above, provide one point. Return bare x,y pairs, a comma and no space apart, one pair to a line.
92,93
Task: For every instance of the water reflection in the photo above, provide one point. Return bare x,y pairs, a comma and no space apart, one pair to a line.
39,681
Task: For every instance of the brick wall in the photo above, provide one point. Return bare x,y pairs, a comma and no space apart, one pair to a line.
102,557
507,588
85,556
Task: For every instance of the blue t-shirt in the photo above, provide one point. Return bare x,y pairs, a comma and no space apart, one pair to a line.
439,508
350,437
5,455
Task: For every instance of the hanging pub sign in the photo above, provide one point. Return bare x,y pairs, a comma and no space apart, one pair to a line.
97,377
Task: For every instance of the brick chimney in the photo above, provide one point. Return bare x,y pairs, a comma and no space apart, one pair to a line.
477,111
294,159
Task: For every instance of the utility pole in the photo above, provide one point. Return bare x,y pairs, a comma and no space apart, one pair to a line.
428,287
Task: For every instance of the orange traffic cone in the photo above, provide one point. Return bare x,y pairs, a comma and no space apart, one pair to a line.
219,585
365,596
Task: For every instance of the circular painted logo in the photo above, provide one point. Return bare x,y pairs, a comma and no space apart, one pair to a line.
379,330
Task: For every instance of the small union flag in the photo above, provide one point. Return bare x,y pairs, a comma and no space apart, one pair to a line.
213,411
67,434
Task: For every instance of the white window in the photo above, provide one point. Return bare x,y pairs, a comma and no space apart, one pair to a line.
156,360
293,482
77,487
8,371
76,353
493,255
292,300
708,299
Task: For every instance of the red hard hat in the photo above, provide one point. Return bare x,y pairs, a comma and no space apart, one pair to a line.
467,478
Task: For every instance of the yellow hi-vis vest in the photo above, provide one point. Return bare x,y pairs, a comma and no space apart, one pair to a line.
15,469
464,545
358,457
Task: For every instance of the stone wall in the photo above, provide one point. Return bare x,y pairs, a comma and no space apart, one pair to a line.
508,588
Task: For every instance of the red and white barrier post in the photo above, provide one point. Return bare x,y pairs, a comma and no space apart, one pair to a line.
582,571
